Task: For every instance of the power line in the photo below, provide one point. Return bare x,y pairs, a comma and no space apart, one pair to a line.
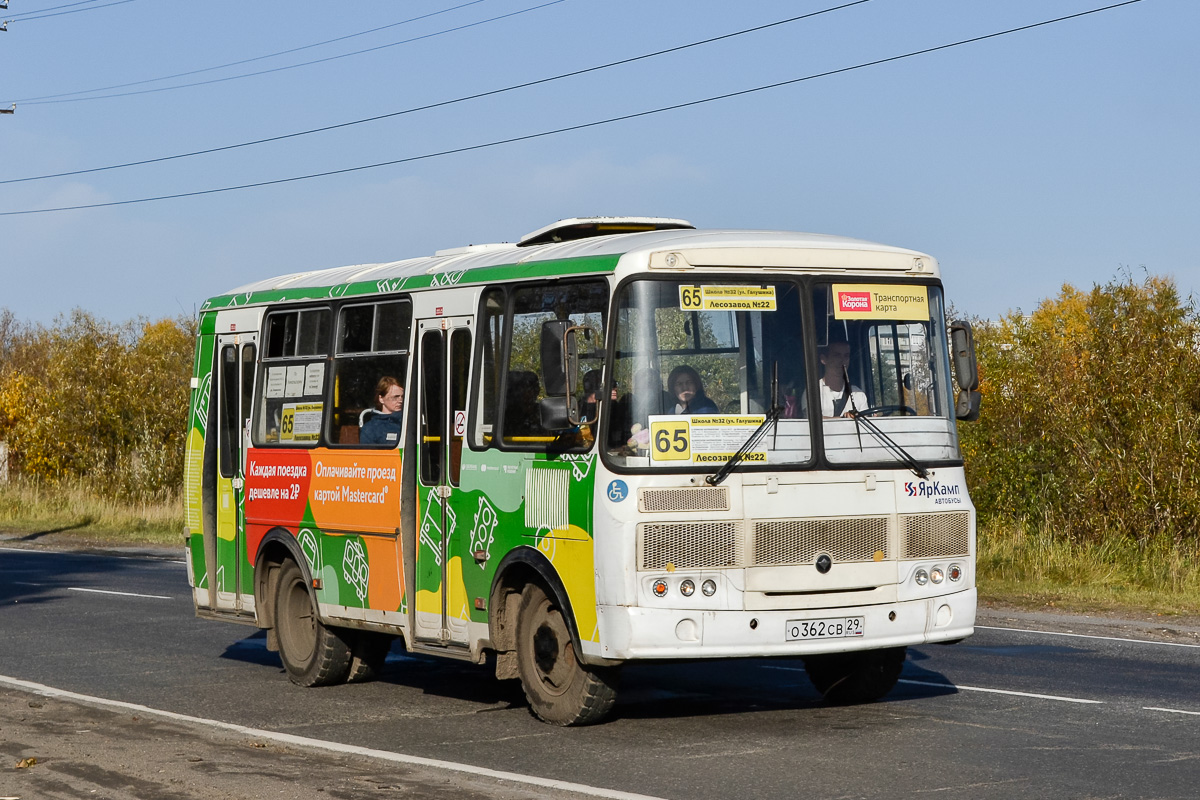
444,103
249,60
38,15
581,126
302,63
56,8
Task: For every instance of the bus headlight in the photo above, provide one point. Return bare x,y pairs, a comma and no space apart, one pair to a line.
921,577
687,588
709,587
936,575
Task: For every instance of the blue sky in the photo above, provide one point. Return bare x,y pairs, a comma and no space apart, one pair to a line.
1063,154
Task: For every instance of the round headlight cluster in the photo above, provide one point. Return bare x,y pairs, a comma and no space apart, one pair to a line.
937,574
687,587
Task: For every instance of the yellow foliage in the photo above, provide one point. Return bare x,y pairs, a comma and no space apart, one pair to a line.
87,399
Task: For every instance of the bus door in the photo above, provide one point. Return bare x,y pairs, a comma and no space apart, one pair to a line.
230,579
444,356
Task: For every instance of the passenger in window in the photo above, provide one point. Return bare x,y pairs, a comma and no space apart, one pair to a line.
836,401
521,416
688,392
791,392
384,425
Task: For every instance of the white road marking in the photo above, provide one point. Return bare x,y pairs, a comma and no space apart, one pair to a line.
122,594
1171,710
1086,636
336,747
1002,691
88,555
24,583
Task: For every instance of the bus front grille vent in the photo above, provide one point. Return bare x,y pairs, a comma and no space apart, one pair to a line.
700,498
935,535
799,541
703,545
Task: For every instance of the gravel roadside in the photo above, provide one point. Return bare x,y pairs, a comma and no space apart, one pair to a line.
55,749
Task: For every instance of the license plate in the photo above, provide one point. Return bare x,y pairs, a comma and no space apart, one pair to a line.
835,628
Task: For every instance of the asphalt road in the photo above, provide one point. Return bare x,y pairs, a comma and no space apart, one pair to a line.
1008,713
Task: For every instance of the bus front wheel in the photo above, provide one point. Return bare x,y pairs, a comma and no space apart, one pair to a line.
860,677
312,653
561,689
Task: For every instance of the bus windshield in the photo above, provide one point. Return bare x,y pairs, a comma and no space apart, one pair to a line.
882,355
694,366
699,363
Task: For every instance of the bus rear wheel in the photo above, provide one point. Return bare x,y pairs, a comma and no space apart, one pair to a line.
861,677
312,653
368,651
561,689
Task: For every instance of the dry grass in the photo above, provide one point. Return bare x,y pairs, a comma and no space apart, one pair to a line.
1024,564
38,510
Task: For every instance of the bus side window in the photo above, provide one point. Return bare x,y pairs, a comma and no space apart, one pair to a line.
489,357
582,303
293,378
372,344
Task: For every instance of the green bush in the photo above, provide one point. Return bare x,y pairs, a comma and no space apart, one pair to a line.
1090,417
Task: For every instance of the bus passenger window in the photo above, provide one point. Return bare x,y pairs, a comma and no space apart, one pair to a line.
527,387
370,366
293,379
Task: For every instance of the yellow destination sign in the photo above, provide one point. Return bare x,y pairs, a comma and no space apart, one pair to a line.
727,298
880,301
300,422
709,439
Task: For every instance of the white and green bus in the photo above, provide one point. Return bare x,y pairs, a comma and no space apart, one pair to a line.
620,439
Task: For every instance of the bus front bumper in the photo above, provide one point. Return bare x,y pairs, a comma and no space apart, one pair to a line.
628,633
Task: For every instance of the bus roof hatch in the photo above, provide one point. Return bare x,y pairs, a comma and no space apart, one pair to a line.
566,230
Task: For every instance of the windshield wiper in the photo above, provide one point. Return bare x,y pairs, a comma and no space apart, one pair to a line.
751,443
890,444
771,418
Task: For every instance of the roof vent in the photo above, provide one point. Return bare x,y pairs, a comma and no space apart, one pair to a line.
567,230
474,248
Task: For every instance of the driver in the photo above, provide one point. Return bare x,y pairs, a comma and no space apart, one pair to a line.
835,400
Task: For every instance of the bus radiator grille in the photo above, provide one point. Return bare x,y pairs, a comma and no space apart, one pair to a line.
690,545
700,498
937,535
799,541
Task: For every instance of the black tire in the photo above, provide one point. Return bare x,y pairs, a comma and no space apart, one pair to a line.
312,654
561,689
368,651
846,678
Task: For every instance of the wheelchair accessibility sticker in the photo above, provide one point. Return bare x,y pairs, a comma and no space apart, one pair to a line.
618,490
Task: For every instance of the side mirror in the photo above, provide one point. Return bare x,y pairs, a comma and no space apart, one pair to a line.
554,375
962,345
553,413
966,370
966,407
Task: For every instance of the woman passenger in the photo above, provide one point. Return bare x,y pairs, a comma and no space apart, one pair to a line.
688,390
